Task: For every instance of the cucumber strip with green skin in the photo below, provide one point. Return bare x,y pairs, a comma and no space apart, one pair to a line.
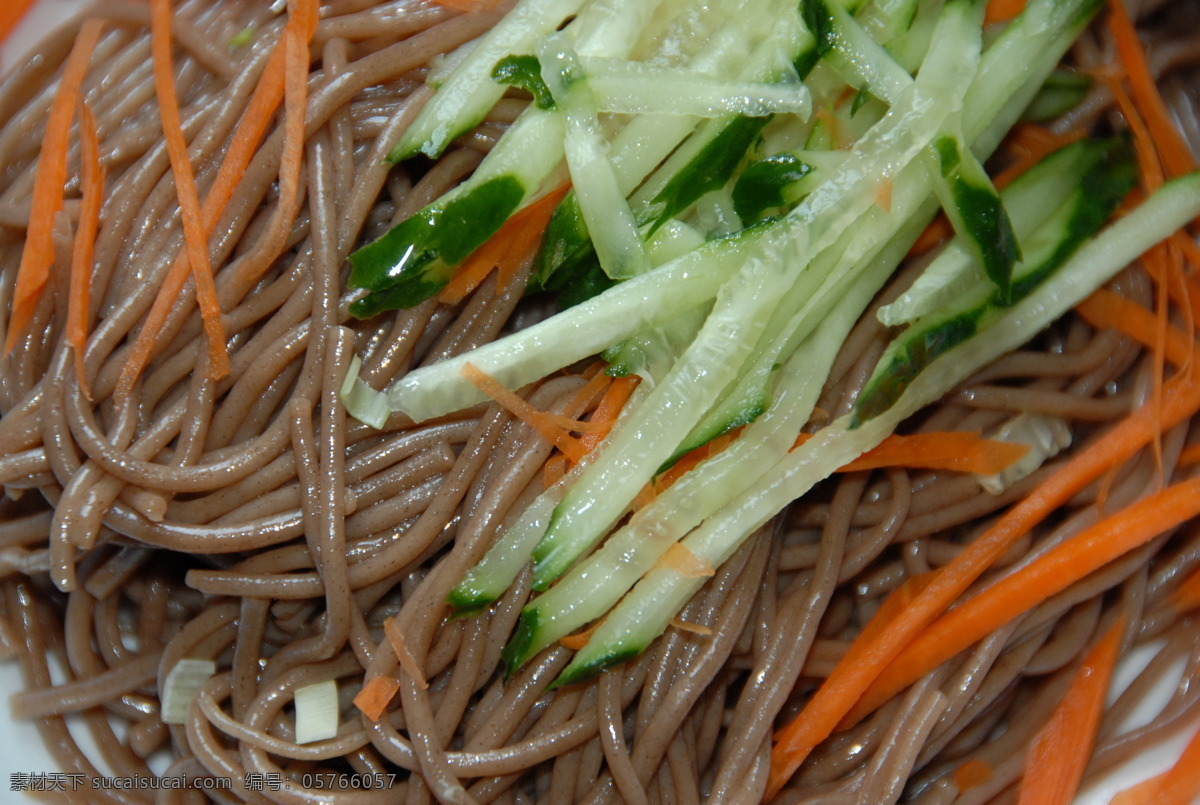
600,580
605,211
703,163
587,329
1099,193
1031,198
976,211
1064,90
468,93
524,72
634,88
762,185
416,258
645,612
853,53
604,491
1018,59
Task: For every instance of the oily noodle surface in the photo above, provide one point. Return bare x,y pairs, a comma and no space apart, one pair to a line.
249,521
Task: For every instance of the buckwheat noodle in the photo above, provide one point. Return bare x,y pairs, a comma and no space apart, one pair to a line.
251,522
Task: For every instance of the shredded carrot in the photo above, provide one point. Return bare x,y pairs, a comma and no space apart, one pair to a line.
408,663
960,451
376,695
1187,596
51,174
92,181
1054,764
545,424
580,639
938,230
1190,455
1169,144
680,559
554,469
694,628
11,14
883,197
1051,573
1178,785
608,409
691,458
1002,10
259,115
972,774
869,655
514,244
195,236
1107,309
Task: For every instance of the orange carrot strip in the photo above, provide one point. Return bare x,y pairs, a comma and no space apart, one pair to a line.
1187,596
608,409
259,115
938,230
51,174
92,180
868,656
541,422
1051,573
1170,145
1002,10
1178,785
11,13
959,451
554,469
515,242
1054,764
1190,455
580,639
1107,309
408,663
376,695
684,562
972,774
195,235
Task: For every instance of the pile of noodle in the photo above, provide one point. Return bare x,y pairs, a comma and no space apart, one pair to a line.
251,522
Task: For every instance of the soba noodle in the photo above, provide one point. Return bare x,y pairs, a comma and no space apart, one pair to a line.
251,522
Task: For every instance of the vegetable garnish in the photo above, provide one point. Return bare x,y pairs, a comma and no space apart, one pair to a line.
395,638
871,653
259,115
317,712
1178,785
955,450
1107,309
38,254
1055,762
194,230
552,427
513,245
971,774
11,14
92,180
1176,155
1013,595
375,696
